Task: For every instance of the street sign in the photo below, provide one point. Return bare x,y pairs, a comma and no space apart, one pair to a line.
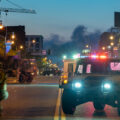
44,52
8,46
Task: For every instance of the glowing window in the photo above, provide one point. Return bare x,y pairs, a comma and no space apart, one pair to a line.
80,69
115,66
88,70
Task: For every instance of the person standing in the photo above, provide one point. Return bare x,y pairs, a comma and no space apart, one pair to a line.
3,85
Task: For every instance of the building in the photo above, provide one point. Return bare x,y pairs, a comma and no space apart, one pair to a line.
110,43
19,39
19,32
34,44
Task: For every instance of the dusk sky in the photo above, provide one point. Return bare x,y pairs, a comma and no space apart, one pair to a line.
62,16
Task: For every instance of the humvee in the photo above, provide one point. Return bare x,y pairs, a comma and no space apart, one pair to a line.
96,79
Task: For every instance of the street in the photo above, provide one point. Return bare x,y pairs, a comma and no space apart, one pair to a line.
42,100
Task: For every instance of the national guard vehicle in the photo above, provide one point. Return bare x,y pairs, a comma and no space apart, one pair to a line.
96,79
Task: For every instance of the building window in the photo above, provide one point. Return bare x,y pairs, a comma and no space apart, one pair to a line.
31,45
37,50
31,39
37,46
37,40
26,39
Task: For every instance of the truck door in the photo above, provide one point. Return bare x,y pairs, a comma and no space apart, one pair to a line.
70,69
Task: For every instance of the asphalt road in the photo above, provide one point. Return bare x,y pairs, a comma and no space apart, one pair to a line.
41,100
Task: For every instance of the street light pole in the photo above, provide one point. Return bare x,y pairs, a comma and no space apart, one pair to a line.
5,47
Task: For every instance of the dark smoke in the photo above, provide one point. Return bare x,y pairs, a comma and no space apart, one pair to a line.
80,37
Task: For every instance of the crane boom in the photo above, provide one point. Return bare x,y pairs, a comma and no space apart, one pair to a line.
17,10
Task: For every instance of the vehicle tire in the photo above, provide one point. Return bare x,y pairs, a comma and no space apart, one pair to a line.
98,105
68,102
21,79
46,74
118,107
29,80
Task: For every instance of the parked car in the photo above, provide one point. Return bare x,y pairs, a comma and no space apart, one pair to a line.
51,71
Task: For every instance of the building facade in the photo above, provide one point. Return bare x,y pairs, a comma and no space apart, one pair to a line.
19,32
34,44
110,43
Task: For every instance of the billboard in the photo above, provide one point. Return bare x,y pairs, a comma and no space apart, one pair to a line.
117,19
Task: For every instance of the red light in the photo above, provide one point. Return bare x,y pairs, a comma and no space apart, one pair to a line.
103,57
98,56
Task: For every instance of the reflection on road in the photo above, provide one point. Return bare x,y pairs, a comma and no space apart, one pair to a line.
86,112
42,100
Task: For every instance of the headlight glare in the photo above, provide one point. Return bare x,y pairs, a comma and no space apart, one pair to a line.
78,85
107,85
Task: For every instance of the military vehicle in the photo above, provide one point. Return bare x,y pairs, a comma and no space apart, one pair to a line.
96,79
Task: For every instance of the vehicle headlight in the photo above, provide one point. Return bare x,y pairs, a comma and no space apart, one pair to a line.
78,85
65,81
107,86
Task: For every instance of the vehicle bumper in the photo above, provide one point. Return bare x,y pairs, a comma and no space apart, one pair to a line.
106,98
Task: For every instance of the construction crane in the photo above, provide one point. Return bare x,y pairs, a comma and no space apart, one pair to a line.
6,10
18,10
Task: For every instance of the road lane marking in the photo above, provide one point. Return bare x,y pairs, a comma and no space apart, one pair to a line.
59,115
63,117
56,116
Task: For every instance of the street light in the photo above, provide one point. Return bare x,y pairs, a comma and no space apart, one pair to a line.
109,47
1,25
13,36
33,41
111,37
103,48
64,57
21,47
87,46
13,42
111,43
